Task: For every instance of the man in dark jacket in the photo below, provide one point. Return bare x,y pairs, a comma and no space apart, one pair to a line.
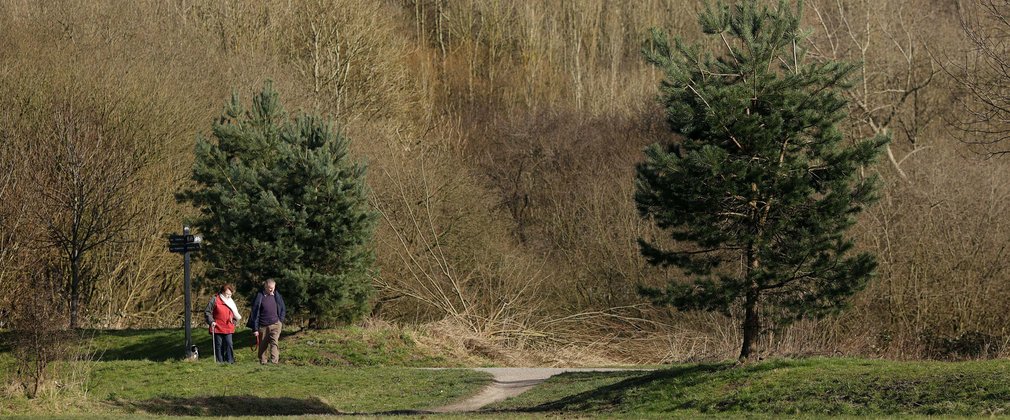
266,320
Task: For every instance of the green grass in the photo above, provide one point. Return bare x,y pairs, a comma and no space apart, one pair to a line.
563,386
205,388
795,387
349,346
349,370
356,346
355,370
250,389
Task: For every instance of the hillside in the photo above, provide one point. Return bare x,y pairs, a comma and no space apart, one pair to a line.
501,139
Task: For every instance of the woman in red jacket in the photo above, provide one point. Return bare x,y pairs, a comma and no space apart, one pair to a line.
221,315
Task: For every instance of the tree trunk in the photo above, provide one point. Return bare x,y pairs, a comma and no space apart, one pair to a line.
751,322
751,326
75,282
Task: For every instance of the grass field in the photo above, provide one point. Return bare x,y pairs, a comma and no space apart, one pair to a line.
349,370
817,386
202,388
372,371
247,389
349,346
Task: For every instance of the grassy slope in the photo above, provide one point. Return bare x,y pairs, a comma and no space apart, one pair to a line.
333,371
808,386
350,346
358,370
249,389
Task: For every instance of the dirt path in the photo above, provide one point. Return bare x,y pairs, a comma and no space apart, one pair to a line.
509,382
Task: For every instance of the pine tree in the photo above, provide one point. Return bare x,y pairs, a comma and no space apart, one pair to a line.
757,195
281,198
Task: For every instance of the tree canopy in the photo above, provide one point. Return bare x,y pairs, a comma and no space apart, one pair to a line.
280,198
758,194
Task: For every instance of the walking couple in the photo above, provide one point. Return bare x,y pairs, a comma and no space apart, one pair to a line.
266,320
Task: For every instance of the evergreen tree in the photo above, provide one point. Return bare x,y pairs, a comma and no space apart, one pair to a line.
281,198
758,194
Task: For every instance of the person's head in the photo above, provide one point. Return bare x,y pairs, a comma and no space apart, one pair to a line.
226,290
269,286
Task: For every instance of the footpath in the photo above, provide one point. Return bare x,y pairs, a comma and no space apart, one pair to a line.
509,382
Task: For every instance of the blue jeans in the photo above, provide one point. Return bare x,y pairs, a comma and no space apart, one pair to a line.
224,352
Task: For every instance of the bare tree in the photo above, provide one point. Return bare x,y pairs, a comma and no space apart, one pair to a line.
983,74
12,218
349,55
889,40
39,338
494,296
83,177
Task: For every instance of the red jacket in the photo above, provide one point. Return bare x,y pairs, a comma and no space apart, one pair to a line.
220,313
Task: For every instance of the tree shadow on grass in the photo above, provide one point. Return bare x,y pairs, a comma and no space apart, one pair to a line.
6,337
679,378
158,345
155,345
242,405
612,395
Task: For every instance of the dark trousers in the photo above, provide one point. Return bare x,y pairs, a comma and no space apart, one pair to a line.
224,352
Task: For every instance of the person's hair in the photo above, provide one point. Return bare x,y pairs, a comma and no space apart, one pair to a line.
270,281
226,286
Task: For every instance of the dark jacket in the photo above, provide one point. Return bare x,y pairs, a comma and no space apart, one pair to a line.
254,317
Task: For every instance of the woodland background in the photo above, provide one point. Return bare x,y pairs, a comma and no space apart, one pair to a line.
501,138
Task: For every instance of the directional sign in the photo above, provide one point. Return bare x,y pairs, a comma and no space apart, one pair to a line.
184,243
184,248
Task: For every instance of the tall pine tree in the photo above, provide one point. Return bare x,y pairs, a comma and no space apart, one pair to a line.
758,194
281,198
